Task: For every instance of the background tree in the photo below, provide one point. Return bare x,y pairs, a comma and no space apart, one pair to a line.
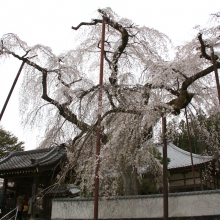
204,132
9,142
141,84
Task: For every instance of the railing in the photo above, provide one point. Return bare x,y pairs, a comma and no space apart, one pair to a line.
12,217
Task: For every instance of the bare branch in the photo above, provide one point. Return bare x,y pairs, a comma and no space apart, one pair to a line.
203,49
63,110
86,92
198,75
95,21
110,97
121,110
68,85
26,53
177,71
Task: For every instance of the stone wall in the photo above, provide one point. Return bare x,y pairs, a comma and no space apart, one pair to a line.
200,203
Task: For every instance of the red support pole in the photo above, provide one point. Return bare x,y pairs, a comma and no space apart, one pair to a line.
216,73
165,184
98,139
190,148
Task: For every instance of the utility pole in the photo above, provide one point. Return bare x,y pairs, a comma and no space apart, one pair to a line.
98,139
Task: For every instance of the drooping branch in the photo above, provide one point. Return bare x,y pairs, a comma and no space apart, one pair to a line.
64,83
119,50
68,97
120,110
88,91
77,138
63,110
148,86
179,72
110,97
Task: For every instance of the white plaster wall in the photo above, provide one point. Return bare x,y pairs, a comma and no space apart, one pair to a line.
180,204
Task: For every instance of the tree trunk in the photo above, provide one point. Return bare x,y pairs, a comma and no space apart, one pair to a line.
130,181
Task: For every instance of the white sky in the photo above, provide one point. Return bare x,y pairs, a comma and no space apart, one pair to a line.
49,22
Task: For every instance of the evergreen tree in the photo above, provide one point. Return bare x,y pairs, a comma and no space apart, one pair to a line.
204,133
9,142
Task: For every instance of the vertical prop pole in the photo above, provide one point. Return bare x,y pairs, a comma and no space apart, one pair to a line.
216,73
12,88
98,140
165,184
190,148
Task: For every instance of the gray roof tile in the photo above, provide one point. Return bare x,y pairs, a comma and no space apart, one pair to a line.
181,158
33,158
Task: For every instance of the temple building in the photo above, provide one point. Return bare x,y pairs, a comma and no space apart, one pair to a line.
181,173
31,173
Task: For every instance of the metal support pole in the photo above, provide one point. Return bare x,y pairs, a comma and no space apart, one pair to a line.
12,88
165,184
216,73
190,148
98,140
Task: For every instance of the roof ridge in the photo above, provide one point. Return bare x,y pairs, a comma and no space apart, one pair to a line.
43,158
54,149
17,153
188,153
30,151
6,158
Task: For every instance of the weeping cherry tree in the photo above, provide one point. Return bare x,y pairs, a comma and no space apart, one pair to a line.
141,83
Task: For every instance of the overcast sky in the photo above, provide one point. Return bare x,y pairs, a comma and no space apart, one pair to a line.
49,22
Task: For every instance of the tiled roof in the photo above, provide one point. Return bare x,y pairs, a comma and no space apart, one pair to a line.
181,158
33,158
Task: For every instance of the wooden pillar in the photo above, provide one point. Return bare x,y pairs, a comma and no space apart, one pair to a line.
46,203
16,192
201,180
184,180
5,185
217,182
214,181
34,194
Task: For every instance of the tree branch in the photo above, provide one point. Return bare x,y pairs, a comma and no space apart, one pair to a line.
86,92
120,110
203,48
119,50
198,75
95,21
63,110
109,97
